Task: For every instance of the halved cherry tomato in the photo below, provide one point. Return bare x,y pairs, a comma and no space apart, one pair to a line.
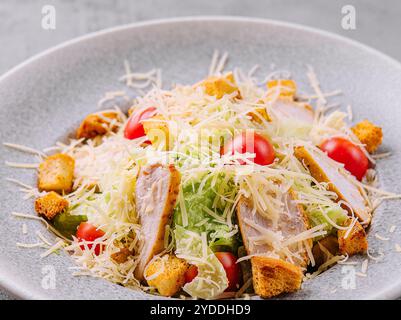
233,270
88,232
251,142
191,273
134,128
344,151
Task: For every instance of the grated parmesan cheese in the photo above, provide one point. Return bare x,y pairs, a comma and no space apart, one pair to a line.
378,236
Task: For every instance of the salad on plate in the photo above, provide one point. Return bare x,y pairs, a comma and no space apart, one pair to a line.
229,187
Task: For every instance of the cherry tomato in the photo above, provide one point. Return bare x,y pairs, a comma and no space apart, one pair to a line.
253,143
88,232
134,128
344,151
233,270
191,273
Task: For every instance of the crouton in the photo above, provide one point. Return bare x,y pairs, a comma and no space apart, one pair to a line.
324,249
50,205
355,243
121,256
220,86
157,131
272,277
258,114
171,279
283,88
96,125
56,173
369,134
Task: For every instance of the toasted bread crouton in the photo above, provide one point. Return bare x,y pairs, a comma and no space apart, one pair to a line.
122,255
369,134
283,88
50,205
157,131
96,125
272,277
355,243
324,249
258,114
340,182
56,173
220,86
171,279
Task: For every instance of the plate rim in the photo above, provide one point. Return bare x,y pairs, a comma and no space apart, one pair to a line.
393,292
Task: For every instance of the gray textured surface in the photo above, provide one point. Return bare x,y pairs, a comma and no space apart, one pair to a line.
21,35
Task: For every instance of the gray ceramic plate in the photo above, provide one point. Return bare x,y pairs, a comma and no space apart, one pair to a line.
45,97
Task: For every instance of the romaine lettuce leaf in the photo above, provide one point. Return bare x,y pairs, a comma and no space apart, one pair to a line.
67,223
211,279
336,214
199,204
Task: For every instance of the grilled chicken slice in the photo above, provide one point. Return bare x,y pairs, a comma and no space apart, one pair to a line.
286,109
291,222
273,276
156,193
339,181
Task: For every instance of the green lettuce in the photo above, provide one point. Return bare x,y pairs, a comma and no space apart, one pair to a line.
336,214
199,220
204,234
67,223
211,279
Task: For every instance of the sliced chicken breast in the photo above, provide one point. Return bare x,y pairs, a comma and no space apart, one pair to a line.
291,222
156,193
274,275
339,181
286,109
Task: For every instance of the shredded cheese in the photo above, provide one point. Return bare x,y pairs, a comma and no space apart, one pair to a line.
378,236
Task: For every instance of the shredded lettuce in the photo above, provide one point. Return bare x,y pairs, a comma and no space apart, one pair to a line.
67,224
225,244
335,214
205,209
199,147
207,231
211,279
